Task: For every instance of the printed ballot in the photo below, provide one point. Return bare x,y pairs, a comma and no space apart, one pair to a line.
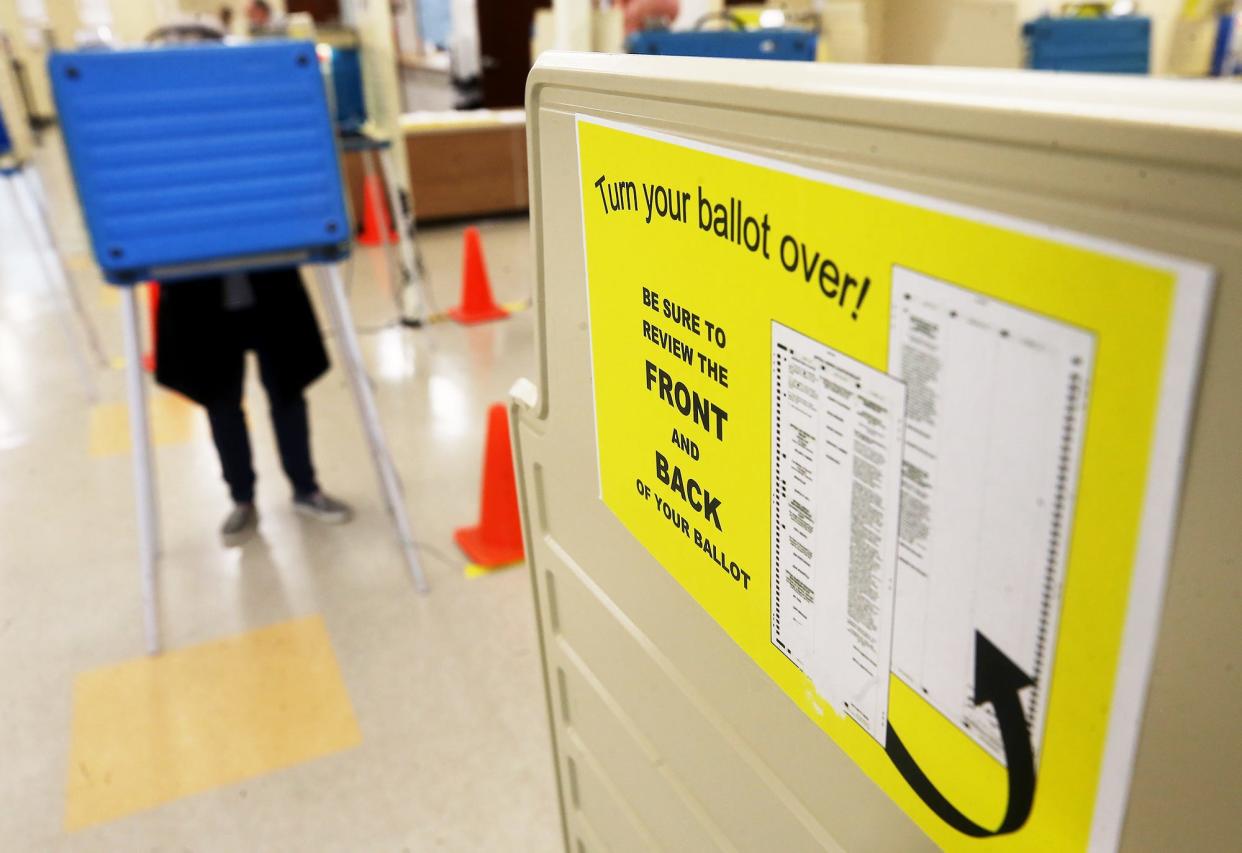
998,401
837,429
901,450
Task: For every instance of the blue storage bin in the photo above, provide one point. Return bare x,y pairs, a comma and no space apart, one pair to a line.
1106,45
203,157
784,44
351,108
6,145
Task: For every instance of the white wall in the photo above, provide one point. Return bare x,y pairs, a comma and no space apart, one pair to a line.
381,87
25,21
405,22
464,45
133,20
978,33
1164,15
692,10
10,98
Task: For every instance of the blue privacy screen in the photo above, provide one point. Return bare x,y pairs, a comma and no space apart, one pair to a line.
203,157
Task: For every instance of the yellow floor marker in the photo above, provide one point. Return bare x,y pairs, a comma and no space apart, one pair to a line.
172,422
152,730
473,570
79,261
515,307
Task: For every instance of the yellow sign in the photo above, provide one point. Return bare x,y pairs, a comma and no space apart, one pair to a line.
911,456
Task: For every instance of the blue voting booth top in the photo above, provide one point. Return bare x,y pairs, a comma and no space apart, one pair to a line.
202,158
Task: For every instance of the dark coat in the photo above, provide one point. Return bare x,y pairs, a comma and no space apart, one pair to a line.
201,346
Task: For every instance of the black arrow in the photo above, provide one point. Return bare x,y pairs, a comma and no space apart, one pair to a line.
997,680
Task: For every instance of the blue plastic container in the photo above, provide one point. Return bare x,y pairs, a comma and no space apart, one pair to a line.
190,159
351,108
6,144
1226,24
783,44
1107,45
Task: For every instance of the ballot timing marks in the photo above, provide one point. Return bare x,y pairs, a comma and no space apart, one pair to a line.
997,680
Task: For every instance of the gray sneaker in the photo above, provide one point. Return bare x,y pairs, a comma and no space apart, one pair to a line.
239,524
320,507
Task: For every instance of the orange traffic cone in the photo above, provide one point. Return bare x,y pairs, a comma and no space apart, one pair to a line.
375,211
477,303
153,317
497,539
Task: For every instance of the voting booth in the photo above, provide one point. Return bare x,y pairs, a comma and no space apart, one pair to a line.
203,160
879,473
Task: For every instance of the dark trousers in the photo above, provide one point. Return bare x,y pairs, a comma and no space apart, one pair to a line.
292,428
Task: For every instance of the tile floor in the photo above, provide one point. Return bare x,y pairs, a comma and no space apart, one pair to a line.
446,691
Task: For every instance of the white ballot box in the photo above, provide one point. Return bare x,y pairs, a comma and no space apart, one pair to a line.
878,475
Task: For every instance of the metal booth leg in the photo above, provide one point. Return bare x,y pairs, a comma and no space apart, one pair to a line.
144,468
35,190
412,279
341,317
391,261
76,349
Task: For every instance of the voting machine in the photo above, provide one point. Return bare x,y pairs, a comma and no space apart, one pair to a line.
176,155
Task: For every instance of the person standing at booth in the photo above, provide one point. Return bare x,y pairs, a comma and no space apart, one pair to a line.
206,327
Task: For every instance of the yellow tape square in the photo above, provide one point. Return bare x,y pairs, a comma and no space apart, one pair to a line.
152,730
172,422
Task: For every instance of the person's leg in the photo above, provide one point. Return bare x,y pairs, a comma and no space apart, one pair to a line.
232,440
228,431
291,423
